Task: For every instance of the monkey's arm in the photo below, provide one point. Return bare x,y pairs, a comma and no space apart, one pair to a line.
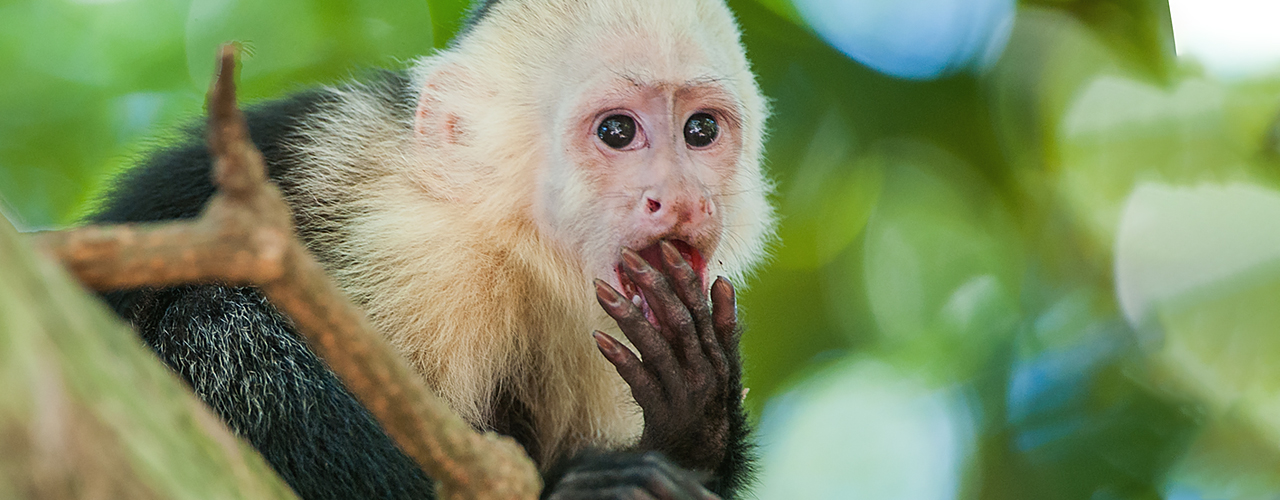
243,359
689,383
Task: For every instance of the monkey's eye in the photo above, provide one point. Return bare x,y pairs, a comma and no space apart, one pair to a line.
617,131
700,130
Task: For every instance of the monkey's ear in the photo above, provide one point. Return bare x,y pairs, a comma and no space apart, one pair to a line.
437,122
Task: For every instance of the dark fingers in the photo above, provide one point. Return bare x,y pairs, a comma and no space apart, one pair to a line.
642,482
644,386
688,286
724,312
688,481
653,348
665,304
628,492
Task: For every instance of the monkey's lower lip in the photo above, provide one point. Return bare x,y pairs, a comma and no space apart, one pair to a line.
653,255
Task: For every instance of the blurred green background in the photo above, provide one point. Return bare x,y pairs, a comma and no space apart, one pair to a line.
1026,250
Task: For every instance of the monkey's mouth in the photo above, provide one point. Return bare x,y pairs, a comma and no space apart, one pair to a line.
653,255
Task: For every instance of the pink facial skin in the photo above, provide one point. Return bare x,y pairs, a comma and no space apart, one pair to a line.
658,186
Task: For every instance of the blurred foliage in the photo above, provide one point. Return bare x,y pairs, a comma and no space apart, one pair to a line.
942,314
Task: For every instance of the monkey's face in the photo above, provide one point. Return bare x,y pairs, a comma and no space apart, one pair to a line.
645,158
617,125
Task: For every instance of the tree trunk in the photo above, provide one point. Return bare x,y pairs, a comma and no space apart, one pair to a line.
88,411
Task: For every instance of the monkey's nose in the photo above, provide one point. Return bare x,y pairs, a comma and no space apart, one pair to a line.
667,213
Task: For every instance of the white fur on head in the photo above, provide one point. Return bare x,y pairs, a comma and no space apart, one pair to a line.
467,229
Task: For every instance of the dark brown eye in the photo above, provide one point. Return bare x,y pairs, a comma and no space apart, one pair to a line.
617,131
700,130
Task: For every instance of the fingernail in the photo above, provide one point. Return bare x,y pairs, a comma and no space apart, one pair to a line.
606,293
724,289
670,254
605,344
633,260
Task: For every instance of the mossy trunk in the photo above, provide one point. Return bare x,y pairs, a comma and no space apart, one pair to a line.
87,411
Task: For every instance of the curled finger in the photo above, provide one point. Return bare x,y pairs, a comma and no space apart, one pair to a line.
654,349
644,386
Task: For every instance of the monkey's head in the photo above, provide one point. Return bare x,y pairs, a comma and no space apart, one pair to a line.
610,124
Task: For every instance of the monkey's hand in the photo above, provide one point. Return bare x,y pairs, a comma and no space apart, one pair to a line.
688,376
631,476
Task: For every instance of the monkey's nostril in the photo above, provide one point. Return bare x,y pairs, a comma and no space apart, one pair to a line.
654,206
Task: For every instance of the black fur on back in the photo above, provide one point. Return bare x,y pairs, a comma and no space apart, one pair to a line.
244,360
234,349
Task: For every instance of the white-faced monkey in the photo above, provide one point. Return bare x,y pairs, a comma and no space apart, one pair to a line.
564,167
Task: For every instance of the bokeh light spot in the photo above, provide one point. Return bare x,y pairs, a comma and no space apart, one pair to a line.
914,39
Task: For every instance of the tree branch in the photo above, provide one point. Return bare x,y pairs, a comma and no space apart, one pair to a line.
244,236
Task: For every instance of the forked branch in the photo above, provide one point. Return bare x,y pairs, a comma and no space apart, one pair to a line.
245,236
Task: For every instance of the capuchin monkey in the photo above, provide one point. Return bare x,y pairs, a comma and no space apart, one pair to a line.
544,219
